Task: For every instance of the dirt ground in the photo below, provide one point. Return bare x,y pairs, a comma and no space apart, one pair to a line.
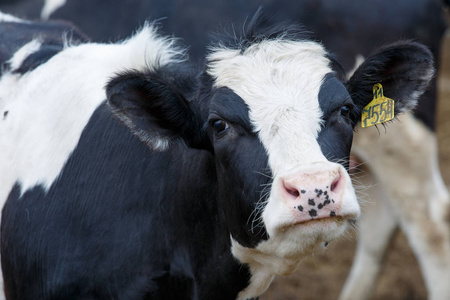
323,275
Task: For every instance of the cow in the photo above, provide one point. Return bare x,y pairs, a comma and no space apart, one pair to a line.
401,182
129,173
405,185
363,26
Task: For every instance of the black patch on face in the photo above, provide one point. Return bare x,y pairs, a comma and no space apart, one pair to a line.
242,168
311,202
300,208
335,137
227,105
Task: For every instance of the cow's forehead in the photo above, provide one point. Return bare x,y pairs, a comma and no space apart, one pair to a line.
280,82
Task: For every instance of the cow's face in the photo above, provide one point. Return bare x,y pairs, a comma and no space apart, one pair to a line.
278,124
281,123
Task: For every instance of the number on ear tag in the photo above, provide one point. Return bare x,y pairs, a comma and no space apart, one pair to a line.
379,110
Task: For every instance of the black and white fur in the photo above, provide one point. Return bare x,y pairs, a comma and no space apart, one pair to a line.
206,203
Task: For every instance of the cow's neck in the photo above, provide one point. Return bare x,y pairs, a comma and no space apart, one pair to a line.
206,240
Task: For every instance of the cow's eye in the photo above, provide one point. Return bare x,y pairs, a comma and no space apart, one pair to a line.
219,126
346,110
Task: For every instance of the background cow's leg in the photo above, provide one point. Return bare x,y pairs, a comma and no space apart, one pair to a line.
375,229
429,233
405,164
430,242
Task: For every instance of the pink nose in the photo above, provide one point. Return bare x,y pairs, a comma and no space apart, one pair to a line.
314,195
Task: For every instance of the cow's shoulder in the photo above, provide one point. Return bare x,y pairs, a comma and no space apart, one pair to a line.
34,112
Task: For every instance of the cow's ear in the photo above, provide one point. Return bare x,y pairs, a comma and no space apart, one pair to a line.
404,69
154,110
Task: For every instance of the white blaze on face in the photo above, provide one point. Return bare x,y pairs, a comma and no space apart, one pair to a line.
280,82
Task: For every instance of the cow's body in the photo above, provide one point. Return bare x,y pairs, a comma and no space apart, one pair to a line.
231,183
43,161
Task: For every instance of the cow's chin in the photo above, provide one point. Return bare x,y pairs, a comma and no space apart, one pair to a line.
298,240
292,236
282,253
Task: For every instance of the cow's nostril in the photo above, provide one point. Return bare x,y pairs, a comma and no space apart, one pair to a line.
292,191
335,183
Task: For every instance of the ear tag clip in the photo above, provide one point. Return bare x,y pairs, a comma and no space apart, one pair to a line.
379,110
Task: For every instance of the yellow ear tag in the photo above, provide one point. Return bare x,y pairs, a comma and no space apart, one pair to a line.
379,110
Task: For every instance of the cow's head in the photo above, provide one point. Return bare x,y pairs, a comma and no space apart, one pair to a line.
272,109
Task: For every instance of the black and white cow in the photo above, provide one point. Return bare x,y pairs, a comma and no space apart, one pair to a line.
237,172
406,188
